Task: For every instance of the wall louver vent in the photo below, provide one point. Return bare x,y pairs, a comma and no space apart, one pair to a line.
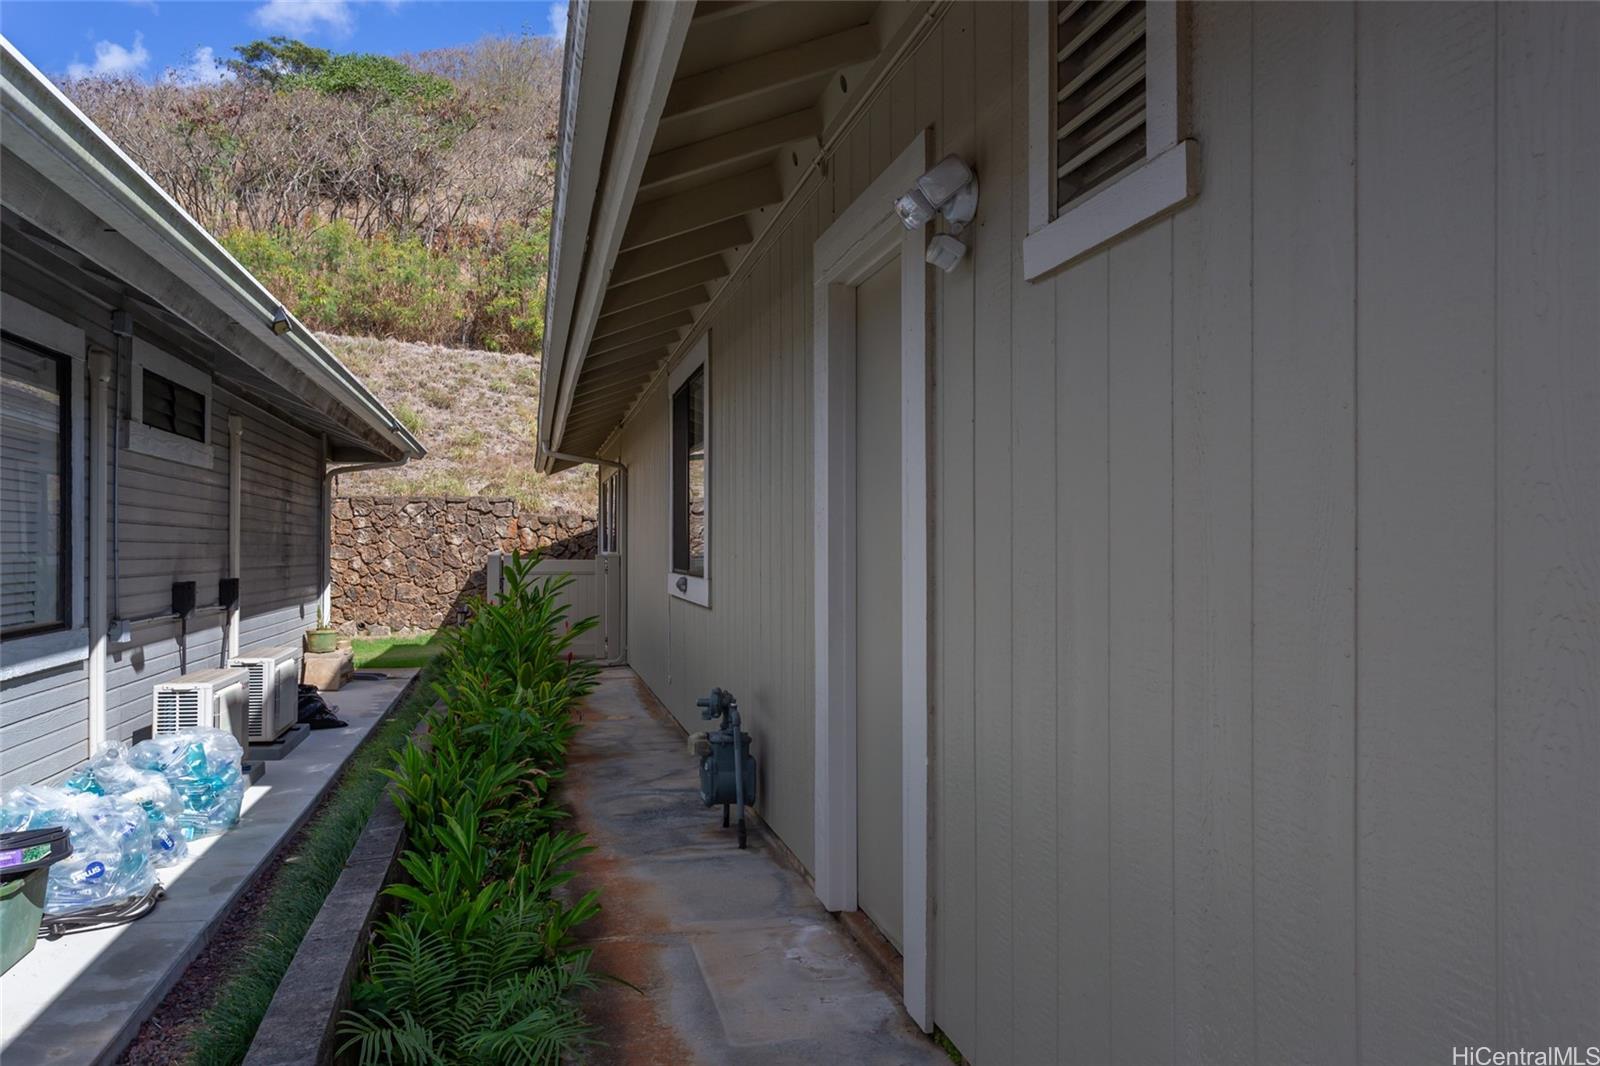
178,709
1099,94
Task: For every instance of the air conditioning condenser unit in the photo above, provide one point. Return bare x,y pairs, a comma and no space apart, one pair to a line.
206,699
273,690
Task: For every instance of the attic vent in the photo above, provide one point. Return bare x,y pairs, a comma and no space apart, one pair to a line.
1099,94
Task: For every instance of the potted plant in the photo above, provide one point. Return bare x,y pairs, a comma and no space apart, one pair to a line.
323,638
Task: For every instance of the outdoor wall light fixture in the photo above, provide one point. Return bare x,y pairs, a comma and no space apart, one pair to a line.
949,189
280,321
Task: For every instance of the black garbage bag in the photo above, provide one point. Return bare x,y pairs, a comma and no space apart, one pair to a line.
315,712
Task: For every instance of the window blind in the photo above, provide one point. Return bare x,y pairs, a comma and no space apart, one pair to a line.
32,480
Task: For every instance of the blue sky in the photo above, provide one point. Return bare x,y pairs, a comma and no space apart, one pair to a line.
187,39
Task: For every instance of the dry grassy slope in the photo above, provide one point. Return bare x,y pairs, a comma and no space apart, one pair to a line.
474,411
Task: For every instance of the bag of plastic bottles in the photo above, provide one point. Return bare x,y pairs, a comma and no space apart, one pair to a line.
110,858
202,766
109,773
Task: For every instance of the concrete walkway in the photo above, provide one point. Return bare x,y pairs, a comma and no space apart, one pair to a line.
80,1000
735,960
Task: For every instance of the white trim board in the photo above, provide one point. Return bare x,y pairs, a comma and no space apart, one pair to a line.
865,236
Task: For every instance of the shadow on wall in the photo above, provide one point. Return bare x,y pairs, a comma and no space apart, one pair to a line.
400,563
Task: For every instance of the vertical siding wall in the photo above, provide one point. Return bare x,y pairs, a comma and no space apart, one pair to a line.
1267,688
174,527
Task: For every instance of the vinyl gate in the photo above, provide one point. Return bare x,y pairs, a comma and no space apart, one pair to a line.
584,597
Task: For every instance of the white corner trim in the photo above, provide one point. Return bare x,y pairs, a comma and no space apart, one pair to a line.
865,236
1158,185
147,440
696,590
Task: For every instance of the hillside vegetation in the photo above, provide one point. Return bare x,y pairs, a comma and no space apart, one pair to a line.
474,409
402,206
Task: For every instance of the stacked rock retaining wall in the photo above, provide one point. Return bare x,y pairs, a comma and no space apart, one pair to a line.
401,563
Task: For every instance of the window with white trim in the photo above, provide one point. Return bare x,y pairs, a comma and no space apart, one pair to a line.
1107,151
170,410
35,488
689,520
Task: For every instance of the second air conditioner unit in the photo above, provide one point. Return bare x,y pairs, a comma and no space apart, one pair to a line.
273,689
207,699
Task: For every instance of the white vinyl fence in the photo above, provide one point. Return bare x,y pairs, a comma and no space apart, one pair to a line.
582,594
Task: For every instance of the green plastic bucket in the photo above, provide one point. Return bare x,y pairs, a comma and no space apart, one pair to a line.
25,861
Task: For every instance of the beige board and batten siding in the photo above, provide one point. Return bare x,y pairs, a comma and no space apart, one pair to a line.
1211,787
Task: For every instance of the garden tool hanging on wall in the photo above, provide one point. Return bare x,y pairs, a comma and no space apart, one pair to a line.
727,769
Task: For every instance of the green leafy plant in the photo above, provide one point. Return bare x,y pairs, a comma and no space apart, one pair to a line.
479,962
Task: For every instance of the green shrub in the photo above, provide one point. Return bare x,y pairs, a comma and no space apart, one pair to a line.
371,75
409,417
479,963
481,290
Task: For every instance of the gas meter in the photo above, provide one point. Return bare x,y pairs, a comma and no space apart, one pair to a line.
727,769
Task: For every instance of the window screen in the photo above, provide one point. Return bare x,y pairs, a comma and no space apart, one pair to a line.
1099,94
34,435
689,476
171,407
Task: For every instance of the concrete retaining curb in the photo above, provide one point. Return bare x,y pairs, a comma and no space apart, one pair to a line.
300,1026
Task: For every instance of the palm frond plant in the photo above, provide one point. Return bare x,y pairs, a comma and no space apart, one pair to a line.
479,963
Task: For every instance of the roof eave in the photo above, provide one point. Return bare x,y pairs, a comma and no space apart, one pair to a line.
174,238
609,115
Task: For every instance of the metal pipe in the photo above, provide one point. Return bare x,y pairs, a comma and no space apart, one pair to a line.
571,458
122,326
230,621
329,477
100,442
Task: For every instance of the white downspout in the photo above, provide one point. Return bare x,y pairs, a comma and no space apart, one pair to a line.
235,523
329,477
100,444
325,599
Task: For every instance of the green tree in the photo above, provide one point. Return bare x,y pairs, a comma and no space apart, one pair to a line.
371,76
275,58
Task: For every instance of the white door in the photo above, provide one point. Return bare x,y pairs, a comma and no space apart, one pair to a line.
877,586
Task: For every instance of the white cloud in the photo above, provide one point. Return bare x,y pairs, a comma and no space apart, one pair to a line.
112,60
202,69
305,16
556,15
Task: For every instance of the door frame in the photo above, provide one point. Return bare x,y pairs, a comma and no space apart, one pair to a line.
861,239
